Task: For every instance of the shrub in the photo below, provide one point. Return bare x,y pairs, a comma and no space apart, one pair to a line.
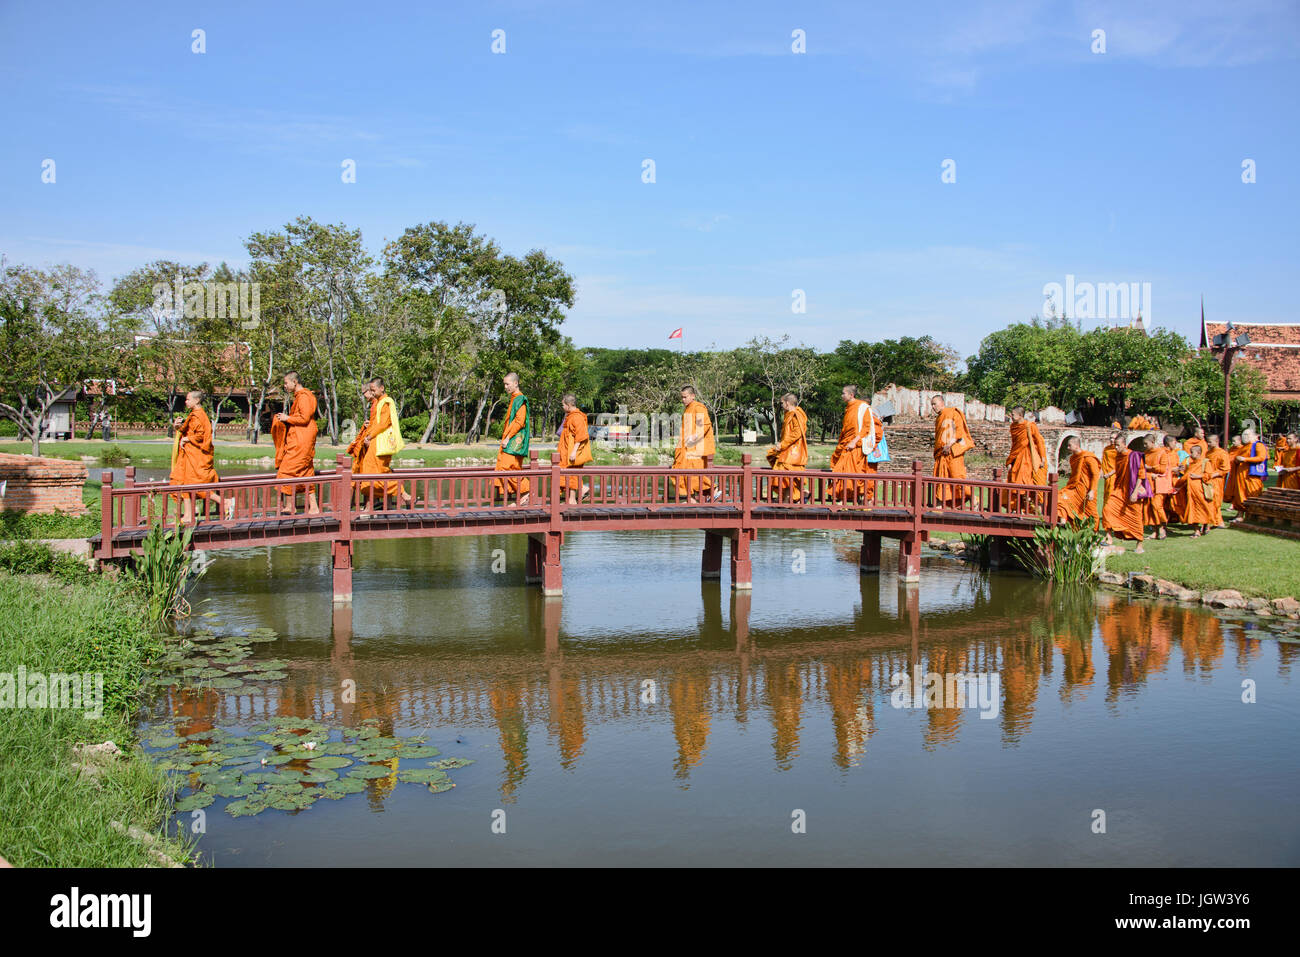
1062,553
164,571
34,558
113,455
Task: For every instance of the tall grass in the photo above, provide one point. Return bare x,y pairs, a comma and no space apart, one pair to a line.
164,572
1068,553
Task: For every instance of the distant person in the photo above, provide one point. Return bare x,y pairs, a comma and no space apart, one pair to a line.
1249,470
792,454
860,432
1288,470
696,447
1027,460
952,440
1078,499
1125,509
575,447
1280,447
1197,438
193,460
1218,466
515,433
379,441
1195,482
294,436
1110,457
106,426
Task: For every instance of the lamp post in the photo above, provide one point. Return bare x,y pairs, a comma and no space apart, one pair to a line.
1227,345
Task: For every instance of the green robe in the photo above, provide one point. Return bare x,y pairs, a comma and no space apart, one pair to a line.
518,444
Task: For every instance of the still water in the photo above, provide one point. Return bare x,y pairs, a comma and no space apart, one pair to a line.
649,718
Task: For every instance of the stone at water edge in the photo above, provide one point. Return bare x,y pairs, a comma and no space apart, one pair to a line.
1145,584
1224,598
1174,590
1286,606
1110,578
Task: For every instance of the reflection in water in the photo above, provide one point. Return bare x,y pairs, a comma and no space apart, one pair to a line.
641,670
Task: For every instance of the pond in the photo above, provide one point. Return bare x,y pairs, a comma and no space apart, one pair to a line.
650,718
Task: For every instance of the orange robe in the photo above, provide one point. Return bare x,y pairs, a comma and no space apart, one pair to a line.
1140,422
1120,516
1158,463
1109,455
1188,443
1279,451
574,447
1290,459
859,422
697,425
1199,510
1079,497
512,463
193,462
295,441
1219,466
792,454
1241,484
1027,461
367,462
950,426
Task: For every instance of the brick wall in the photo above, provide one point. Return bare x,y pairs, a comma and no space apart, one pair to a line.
44,486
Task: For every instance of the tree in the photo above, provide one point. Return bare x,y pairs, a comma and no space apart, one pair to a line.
781,369
1029,363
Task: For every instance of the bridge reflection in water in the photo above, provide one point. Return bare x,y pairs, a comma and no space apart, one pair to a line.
1080,647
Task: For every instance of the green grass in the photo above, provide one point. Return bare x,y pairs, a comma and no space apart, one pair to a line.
50,814
1255,564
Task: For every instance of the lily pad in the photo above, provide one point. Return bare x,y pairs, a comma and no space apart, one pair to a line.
329,761
245,808
437,787
165,742
348,785
449,763
422,776
233,789
318,776
195,801
369,771
419,751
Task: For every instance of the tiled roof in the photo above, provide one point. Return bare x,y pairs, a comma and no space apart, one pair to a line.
1274,349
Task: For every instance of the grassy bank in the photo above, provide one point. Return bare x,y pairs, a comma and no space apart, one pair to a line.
56,808
1254,564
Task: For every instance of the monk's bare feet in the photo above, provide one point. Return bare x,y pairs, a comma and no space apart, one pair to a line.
523,499
1139,550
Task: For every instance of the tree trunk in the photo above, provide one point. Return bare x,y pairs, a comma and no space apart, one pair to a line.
429,426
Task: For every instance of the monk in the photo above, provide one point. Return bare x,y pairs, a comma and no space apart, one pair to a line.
192,458
1218,466
514,442
792,454
952,440
1027,460
1125,510
381,435
1201,496
695,448
1197,438
1110,456
1288,469
294,434
1078,499
1160,463
1280,448
1139,422
575,447
860,432
1242,484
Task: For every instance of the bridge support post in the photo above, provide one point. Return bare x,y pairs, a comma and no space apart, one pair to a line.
711,559
342,570
552,574
533,563
909,557
869,555
742,573
997,551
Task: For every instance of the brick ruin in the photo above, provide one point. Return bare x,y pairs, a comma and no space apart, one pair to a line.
40,485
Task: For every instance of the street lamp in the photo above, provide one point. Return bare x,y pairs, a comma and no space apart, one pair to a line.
1226,344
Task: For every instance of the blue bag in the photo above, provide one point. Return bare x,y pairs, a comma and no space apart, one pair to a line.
880,453
1258,469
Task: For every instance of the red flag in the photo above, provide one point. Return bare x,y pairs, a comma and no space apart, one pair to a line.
675,334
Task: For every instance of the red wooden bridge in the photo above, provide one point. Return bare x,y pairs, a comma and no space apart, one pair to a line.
464,501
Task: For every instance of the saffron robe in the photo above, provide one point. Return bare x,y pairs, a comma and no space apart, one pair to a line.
514,445
1159,462
1219,467
1079,497
367,461
192,463
575,446
863,428
295,442
792,454
1120,516
696,425
950,426
1194,480
1289,459
1241,484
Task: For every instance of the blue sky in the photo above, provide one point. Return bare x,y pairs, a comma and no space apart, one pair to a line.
774,171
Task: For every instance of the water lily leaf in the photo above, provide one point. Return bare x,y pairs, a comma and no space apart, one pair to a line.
448,763
421,776
437,787
278,759
194,801
272,777
245,807
267,675
368,771
227,683
419,751
233,789
345,786
329,761
318,776
165,742
379,754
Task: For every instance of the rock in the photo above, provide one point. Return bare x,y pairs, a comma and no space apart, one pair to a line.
1257,604
1110,578
1286,606
1146,584
1224,598
91,759
1165,587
